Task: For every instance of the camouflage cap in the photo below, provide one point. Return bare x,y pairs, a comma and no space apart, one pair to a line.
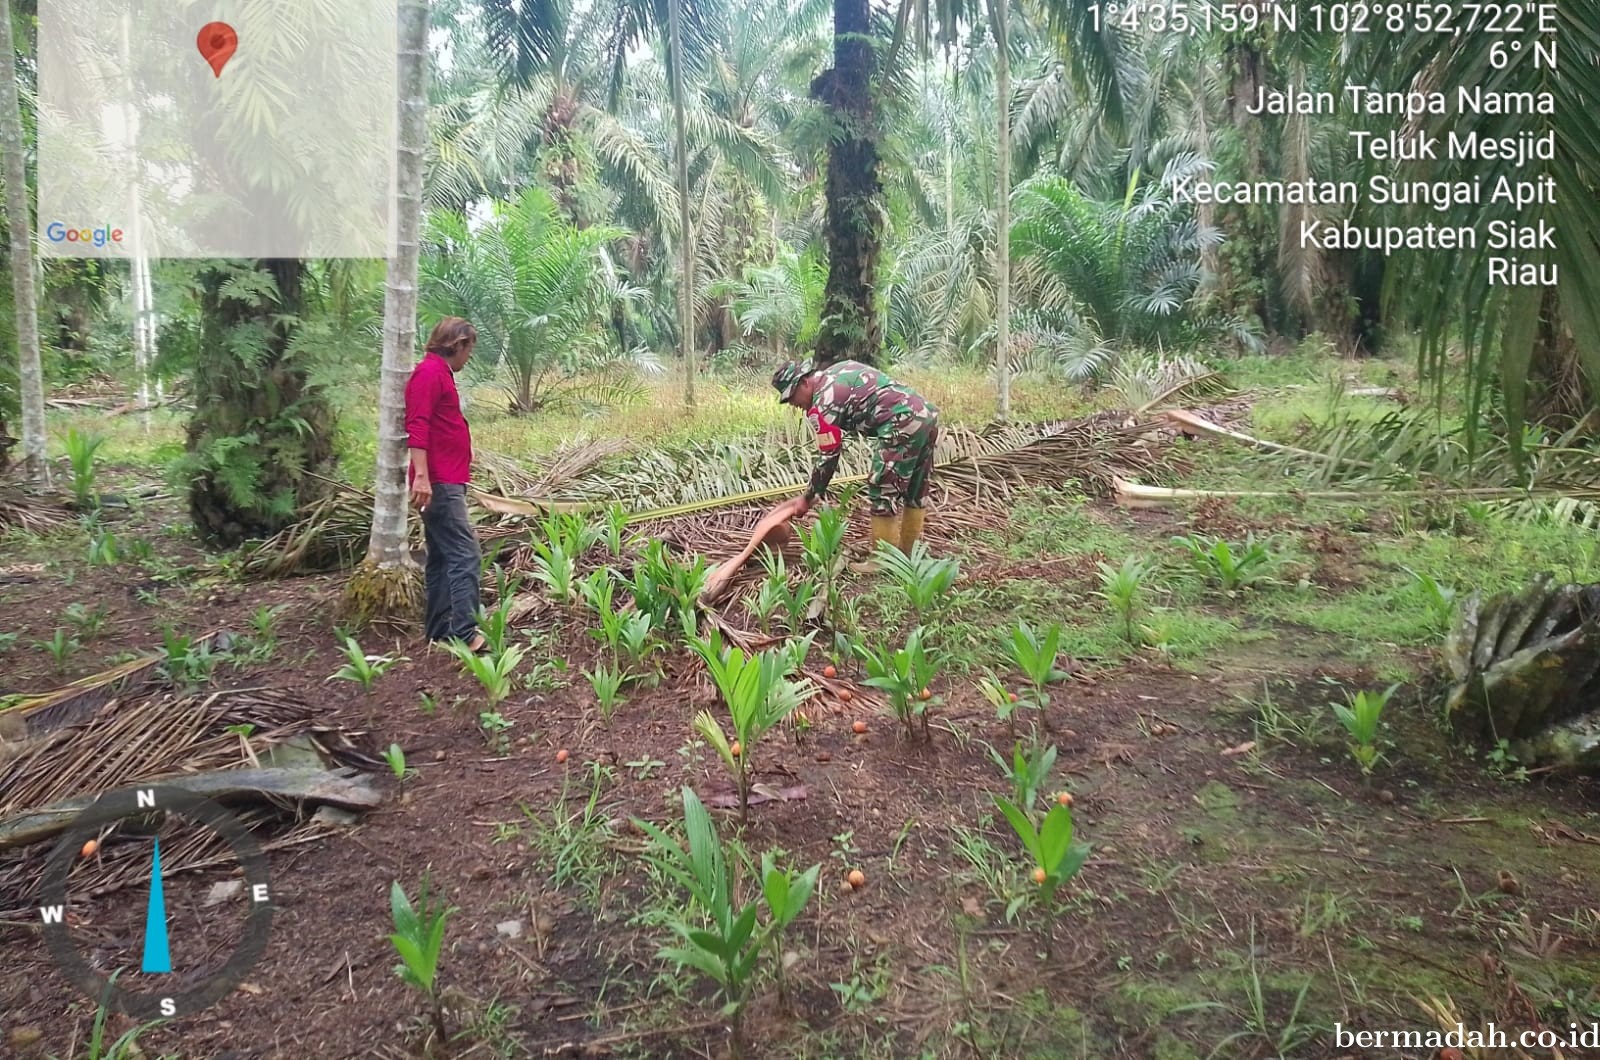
789,375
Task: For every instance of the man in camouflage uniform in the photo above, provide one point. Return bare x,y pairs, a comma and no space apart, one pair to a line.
856,398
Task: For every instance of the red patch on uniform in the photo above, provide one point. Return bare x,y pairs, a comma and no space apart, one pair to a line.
829,437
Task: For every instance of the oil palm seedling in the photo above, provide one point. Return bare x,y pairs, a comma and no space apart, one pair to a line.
904,675
493,672
81,450
1228,567
758,695
361,668
1049,844
822,545
87,623
924,579
716,933
1027,772
186,661
1035,654
60,647
606,681
418,938
1123,588
1361,718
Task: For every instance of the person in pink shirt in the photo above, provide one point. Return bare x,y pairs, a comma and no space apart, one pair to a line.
440,445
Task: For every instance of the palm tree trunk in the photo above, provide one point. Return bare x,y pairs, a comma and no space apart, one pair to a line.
850,326
1002,344
686,233
261,437
388,545
31,373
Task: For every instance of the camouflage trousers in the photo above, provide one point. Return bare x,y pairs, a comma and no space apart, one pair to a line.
903,463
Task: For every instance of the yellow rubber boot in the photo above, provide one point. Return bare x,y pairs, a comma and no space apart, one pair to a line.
911,528
884,528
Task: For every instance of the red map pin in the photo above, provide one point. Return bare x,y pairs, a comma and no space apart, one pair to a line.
217,43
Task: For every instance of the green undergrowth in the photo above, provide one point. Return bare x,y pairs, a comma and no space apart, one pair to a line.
1398,606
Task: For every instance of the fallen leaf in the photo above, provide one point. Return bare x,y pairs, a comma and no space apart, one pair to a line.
1243,749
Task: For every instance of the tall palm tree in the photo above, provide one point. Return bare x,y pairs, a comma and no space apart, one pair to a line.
1002,254
532,29
389,575
31,370
851,329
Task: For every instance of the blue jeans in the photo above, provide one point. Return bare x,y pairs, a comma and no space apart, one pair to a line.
454,562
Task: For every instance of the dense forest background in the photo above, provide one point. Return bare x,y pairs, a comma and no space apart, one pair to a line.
843,169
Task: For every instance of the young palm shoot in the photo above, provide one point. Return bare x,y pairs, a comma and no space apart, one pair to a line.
492,671
1035,655
773,591
728,950
1228,567
361,668
1056,858
607,684
758,695
1123,588
419,940
81,450
925,580
1361,720
597,591
822,544
1028,771
615,531
556,567
904,675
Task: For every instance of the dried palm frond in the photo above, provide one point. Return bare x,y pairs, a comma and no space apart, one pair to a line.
31,514
131,740
1415,447
512,479
663,483
1142,382
332,535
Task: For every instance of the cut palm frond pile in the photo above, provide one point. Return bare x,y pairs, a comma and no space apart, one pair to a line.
714,491
512,479
31,514
133,740
1413,448
333,535
973,466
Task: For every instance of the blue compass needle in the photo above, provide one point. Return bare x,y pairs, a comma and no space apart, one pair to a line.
157,958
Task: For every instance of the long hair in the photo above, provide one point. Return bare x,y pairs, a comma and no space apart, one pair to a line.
450,336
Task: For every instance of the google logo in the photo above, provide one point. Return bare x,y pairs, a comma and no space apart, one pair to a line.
56,232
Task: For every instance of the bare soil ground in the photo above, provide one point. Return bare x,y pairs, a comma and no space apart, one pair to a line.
1247,888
